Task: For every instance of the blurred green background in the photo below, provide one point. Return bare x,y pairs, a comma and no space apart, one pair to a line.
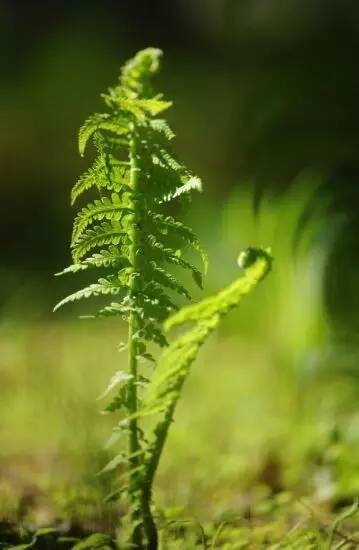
266,112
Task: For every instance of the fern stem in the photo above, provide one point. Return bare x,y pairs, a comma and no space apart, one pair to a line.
151,469
148,521
158,445
134,444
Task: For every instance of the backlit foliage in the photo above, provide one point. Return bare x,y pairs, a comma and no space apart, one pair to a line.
128,234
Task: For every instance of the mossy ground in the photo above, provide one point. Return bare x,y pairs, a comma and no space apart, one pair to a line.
243,468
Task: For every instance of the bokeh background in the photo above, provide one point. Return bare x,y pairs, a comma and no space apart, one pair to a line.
267,113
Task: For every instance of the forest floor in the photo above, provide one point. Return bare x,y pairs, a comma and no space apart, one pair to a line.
251,463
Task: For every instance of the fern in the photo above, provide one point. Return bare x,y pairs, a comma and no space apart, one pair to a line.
174,364
127,234
175,361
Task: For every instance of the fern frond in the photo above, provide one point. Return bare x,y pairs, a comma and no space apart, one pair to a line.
161,127
168,255
96,176
105,258
168,280
154,106
126,231
101,121
181,230
91,178
105,208
165,160
106,233
193,183
122,458
119,378
74,268
138,71
173,367
256,262
102,287
156,303
152,333
123,309
131,106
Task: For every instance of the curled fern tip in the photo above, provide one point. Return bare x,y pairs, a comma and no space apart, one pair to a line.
249,256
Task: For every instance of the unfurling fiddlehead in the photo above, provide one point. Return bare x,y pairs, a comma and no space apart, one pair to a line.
175,362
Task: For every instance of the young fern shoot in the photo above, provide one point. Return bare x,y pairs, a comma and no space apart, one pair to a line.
174,364
127,234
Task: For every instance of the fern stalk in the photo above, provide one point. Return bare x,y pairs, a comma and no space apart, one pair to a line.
133,327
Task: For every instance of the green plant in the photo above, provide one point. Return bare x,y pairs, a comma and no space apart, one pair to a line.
174,364
135,238
136,177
